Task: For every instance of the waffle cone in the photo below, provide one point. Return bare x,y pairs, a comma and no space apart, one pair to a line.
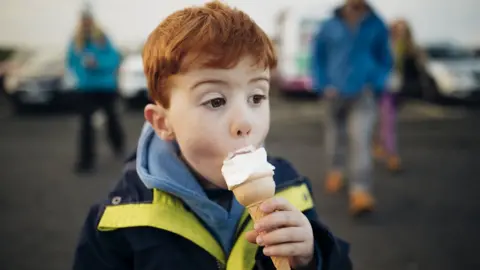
251,194
281,263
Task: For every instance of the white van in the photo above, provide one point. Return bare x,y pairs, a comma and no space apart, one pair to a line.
296,28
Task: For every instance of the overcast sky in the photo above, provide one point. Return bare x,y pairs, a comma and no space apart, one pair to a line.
50,22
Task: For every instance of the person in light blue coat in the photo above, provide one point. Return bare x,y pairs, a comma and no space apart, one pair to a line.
351,62
93,61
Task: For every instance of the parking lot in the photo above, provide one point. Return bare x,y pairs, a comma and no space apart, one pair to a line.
427,217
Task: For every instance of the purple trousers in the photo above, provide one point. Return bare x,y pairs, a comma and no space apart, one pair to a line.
388,123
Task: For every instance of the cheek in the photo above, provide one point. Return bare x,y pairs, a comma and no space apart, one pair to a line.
261,125
203,152
199,144
205,137
199,137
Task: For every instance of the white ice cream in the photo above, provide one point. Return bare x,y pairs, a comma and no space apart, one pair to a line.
239,166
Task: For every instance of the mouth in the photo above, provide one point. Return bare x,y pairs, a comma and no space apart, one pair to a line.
241,151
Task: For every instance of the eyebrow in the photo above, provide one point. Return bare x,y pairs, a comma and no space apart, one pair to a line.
222,82
209,81
261,78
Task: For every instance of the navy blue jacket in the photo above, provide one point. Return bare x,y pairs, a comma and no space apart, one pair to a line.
143,247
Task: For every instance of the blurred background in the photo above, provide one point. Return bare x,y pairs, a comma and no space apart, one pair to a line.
427,216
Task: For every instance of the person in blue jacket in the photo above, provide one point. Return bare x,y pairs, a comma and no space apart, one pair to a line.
208,72
351,62
93,61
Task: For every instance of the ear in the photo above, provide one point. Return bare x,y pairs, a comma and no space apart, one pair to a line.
157,116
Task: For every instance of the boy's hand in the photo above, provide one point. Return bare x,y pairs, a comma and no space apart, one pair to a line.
285,232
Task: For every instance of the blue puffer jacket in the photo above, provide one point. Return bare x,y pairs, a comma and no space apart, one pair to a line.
351,59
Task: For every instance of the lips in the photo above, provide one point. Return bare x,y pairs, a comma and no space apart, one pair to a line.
241,151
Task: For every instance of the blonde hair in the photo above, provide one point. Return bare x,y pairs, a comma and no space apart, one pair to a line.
97,36
408,38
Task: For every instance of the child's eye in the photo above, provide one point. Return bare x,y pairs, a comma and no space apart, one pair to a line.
257,99
215,103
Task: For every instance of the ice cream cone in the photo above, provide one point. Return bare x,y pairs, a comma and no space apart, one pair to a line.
249,175
251,193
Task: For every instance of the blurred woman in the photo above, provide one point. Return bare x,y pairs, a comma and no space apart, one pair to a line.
407,69
93,61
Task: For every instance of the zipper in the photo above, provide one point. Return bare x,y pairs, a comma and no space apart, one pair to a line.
220,265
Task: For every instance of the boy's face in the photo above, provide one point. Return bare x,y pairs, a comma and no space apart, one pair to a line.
213,112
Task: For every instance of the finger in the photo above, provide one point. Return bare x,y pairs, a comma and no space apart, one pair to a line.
281,236
287,250
251,236
280,219
276,204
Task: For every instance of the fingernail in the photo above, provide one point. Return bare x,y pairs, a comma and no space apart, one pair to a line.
259,240
256,226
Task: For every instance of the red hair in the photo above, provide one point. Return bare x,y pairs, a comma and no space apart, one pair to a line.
213,36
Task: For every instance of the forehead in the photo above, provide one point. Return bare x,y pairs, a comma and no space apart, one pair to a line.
243,71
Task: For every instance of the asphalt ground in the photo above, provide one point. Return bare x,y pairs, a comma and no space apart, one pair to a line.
427,217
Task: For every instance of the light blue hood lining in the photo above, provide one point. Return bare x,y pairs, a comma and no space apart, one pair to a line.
159,166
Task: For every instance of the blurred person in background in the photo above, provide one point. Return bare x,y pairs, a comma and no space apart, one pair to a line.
408,65
93,61
351,62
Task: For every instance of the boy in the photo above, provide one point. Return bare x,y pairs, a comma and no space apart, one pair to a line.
208,71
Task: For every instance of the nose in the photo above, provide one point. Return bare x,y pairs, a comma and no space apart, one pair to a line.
240,128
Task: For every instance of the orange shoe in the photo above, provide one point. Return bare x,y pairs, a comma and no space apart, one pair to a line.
361,202
334,181
394,163
378,151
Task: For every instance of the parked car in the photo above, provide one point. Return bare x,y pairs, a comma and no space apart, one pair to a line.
38,78
454,72
132,81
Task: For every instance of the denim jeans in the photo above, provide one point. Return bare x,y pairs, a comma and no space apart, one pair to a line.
349,126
